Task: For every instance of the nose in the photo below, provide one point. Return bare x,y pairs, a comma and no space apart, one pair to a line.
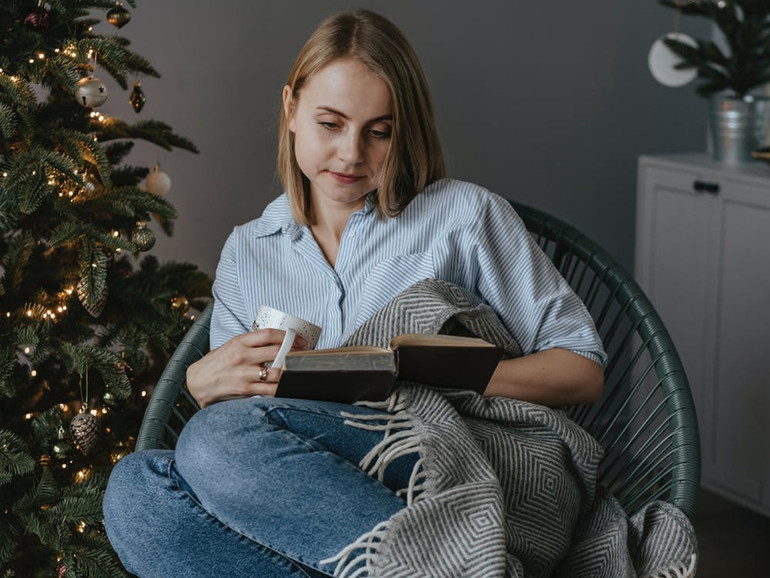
351,148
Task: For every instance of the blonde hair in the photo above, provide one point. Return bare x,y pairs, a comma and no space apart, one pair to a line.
414,159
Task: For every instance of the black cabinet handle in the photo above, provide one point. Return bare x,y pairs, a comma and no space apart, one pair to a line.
701,186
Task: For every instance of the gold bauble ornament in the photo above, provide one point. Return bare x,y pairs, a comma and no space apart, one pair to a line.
181,303
142,237
118,16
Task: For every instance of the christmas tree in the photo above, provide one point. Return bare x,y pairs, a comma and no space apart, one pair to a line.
86,322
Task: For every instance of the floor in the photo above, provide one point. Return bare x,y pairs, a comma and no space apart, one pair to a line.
732,540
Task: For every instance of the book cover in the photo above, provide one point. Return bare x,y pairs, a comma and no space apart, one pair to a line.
349,374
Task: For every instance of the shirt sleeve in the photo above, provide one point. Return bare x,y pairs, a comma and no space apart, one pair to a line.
519,281
227,318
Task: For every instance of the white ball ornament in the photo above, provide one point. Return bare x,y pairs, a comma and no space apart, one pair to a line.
157,182
91,92
662,61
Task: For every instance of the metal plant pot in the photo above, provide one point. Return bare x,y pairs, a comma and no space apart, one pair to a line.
738,126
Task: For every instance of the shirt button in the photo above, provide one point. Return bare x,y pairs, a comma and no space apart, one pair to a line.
352,234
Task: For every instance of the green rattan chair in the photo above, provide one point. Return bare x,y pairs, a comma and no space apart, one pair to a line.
645,419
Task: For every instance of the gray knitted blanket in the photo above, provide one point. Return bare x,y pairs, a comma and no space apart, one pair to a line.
502,488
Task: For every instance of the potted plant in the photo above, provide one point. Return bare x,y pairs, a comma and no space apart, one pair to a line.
731,80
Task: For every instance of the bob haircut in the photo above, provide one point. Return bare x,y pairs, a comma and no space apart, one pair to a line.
414,159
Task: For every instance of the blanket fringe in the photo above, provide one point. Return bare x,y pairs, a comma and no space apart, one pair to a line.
348,567
681,571
400,438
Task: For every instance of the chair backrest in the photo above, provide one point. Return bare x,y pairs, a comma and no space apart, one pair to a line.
645,418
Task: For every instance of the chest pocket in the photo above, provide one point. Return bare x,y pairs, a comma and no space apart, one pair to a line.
390,277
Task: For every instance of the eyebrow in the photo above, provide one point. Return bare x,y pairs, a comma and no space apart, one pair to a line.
346,117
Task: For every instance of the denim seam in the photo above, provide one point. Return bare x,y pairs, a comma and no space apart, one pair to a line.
337,458
281,558
193,503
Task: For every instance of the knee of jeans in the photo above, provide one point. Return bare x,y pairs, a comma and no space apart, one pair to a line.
133,482
206,437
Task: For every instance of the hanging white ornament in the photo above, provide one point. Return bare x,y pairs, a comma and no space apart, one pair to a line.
662,61
157,182
91,92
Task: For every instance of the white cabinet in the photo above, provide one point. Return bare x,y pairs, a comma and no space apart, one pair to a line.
703,258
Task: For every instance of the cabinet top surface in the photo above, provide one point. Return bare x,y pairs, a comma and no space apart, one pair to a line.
702,161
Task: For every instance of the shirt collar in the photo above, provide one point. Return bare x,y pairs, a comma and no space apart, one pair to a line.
277,216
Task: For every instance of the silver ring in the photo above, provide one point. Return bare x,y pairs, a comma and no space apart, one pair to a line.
263,374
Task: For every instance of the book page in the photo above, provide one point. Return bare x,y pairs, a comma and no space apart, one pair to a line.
418,339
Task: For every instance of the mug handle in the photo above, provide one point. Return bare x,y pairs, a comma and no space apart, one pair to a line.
288,341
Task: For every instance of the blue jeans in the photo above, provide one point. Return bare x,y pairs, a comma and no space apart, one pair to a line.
256,487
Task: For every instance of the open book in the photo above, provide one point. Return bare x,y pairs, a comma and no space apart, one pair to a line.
349,374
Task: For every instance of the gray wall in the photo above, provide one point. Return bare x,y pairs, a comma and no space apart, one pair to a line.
548,103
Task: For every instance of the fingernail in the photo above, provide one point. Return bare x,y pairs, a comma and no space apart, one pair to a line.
301,341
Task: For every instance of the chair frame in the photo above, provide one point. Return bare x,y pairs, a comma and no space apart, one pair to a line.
645,420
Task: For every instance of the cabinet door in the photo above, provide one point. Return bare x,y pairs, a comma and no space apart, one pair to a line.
738,448
673,223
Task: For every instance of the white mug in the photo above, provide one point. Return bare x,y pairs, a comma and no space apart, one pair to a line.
269,318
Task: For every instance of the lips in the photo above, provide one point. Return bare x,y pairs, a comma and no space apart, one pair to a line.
344,178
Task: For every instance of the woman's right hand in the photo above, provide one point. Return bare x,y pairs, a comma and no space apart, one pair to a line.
233,370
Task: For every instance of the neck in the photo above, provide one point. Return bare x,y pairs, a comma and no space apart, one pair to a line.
330,221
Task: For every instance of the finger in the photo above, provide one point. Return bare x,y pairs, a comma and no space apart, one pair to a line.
246,358
299,342
262,337
266,389
271,375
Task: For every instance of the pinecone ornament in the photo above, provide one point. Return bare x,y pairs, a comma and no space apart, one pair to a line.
94,307
85,431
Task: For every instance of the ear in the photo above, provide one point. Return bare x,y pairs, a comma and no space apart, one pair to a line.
289,107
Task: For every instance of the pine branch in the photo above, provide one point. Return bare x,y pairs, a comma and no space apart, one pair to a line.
17,258
114,56
118,151
152,131
78,230
15,459
8,121
8,544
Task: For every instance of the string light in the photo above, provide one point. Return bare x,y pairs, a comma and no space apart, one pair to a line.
26,350
33,373
28,416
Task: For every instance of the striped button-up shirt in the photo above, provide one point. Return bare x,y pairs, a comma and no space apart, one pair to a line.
453,231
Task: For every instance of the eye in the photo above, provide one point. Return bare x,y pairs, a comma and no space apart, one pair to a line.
380,133
328,125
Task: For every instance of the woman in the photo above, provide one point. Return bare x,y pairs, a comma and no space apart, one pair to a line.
270,487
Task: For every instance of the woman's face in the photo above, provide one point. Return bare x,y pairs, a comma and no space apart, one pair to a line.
342,124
